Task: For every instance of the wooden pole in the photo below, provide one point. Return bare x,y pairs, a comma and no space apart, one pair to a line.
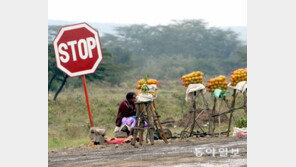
208,109
137,122
155,122
213,113
245,101
150,123
135,127
229,107
197,119
219,118
231,113
193,109
154,112
87,101
142,124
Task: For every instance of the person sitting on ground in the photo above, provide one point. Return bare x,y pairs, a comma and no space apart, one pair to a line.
126,116
126,112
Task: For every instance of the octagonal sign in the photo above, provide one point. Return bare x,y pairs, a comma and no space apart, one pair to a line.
78,50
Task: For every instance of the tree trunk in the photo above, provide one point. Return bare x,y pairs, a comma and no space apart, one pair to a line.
50,82
61,87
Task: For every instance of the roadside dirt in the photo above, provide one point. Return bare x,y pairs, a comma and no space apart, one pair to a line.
178,153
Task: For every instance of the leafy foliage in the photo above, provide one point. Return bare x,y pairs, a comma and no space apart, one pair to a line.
241,123
182,47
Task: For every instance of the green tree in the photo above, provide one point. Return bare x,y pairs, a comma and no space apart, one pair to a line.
210,49
107,71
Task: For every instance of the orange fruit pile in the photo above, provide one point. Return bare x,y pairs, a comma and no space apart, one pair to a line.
238,76
192,78
146,82
217,83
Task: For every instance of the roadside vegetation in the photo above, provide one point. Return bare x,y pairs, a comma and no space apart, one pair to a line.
68,122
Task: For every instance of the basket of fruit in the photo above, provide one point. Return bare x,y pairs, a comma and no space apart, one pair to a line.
192,78
149,86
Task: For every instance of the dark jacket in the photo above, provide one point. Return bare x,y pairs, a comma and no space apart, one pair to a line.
126,109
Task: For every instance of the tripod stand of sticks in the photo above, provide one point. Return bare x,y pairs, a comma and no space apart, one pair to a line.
212,115
146,112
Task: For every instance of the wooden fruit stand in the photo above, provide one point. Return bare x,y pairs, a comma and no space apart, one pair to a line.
218,87
146,112
189,128
231,108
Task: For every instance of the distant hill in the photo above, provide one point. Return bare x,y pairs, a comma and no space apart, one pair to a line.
109,28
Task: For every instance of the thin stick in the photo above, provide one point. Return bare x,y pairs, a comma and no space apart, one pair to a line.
150,123
219,118
231,113
229,107
245,101
193,108
136,126
213,113
228,111
154,112
208,109
142,127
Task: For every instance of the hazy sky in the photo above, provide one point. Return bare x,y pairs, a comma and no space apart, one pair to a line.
151,12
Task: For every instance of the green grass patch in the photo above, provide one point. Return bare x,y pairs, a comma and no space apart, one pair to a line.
54,144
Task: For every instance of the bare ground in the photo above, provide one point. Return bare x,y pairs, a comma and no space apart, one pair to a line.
177,153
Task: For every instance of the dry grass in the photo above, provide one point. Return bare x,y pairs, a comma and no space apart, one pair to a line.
68,122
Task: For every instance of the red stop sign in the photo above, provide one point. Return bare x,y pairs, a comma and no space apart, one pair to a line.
78,50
